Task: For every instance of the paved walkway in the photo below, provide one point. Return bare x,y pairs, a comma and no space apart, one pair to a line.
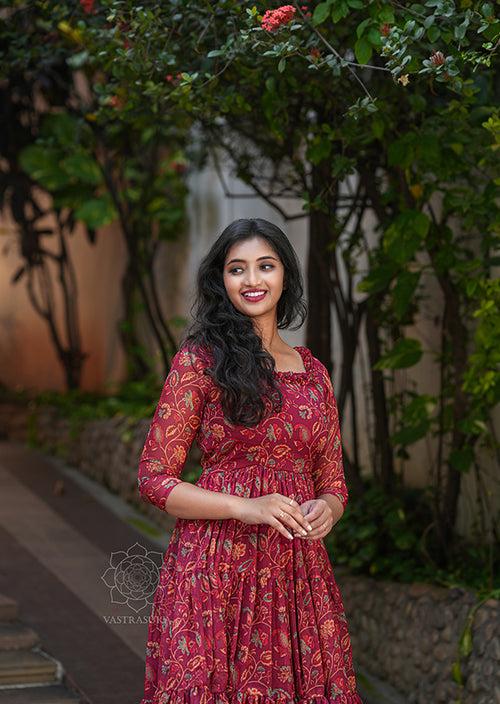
55,547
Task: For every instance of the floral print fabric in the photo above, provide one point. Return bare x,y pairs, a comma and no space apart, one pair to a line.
241,613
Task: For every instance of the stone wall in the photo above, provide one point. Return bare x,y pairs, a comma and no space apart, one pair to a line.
407,635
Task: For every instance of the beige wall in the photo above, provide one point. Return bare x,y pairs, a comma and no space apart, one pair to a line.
28,359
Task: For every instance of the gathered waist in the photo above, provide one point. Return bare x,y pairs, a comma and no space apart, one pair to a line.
275,466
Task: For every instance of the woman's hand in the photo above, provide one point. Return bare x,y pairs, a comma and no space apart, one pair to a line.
320,516
279,511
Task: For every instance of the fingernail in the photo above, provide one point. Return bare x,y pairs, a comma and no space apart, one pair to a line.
304,532
290,536
309,527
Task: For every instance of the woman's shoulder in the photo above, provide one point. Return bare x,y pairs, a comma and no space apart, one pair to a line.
317,367
195,355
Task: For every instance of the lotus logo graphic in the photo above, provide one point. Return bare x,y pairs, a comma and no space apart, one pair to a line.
133,576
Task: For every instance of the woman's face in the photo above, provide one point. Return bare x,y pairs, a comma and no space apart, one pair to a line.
253,265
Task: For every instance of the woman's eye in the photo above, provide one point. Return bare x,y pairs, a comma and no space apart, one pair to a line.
237,268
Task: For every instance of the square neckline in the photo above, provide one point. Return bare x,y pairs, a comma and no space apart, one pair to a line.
291,372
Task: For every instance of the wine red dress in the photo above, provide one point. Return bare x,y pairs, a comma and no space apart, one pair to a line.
242,614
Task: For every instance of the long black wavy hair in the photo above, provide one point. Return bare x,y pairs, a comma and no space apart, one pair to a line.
242,368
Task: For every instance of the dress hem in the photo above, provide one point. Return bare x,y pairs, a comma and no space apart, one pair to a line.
202,694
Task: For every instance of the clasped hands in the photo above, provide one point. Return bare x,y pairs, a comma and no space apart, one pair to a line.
311,520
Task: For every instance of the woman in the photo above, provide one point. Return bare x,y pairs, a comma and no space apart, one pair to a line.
247,609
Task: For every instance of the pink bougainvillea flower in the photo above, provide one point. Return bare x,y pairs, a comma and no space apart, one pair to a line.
87,6
274,19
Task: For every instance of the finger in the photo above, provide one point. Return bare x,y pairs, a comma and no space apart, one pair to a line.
320,518
294,519
297,520
275,523
314,512
320,531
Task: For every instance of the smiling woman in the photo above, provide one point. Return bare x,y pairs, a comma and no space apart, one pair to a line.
247,608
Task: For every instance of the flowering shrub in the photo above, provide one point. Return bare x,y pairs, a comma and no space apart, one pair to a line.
274,19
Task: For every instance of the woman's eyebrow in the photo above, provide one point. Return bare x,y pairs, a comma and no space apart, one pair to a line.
267,256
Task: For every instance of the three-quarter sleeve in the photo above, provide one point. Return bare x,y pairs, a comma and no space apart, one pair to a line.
328,468
174,426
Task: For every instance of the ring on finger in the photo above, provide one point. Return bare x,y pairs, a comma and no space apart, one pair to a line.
281,514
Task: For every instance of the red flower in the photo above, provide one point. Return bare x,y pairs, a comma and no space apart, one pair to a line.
273,19
315,52
385,29
178,166
437,58
115,101
87,6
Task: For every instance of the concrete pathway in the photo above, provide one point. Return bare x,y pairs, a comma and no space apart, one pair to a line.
56,542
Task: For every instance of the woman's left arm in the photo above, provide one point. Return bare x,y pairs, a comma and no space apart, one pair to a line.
328,470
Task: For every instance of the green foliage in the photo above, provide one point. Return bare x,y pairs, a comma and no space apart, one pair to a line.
134,400
387,537
417,127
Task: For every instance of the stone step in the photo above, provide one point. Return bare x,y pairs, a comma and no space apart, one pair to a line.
26,666
50,694
15,635
8,608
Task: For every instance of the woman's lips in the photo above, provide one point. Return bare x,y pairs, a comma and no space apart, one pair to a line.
254,299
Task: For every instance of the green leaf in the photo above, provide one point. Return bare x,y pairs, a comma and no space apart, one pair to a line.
63,127
386,14
96,212
403,291
410,434
374,37
339,11
401,152
379,278
321,12
465,645
405,235
83,168
282,65
405,353
319,149
43,165
433,33
363,50
362,26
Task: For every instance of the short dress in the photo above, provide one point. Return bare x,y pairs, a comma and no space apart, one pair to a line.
242,614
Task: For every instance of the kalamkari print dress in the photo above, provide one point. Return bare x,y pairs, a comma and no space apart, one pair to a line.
242,614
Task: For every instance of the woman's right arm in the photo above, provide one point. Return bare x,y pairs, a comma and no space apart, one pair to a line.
175,423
